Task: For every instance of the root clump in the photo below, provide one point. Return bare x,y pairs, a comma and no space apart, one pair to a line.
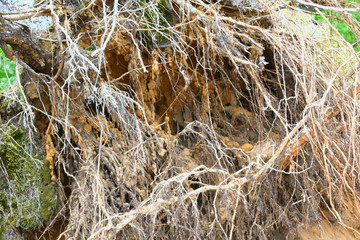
225,120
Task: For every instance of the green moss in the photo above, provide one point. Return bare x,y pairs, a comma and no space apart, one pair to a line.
47,197
91,48
27,196
46,172
156,20
2,231
51,28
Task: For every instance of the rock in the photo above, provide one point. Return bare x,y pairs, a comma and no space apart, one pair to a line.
35,24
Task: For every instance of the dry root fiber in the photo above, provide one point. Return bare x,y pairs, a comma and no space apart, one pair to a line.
191,119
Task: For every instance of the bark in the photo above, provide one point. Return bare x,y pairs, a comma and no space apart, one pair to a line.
25,45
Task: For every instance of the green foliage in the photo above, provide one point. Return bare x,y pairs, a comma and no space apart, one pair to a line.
7,72
158,17
27,196
341,26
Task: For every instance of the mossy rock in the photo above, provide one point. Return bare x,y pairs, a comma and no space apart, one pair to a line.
27,195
